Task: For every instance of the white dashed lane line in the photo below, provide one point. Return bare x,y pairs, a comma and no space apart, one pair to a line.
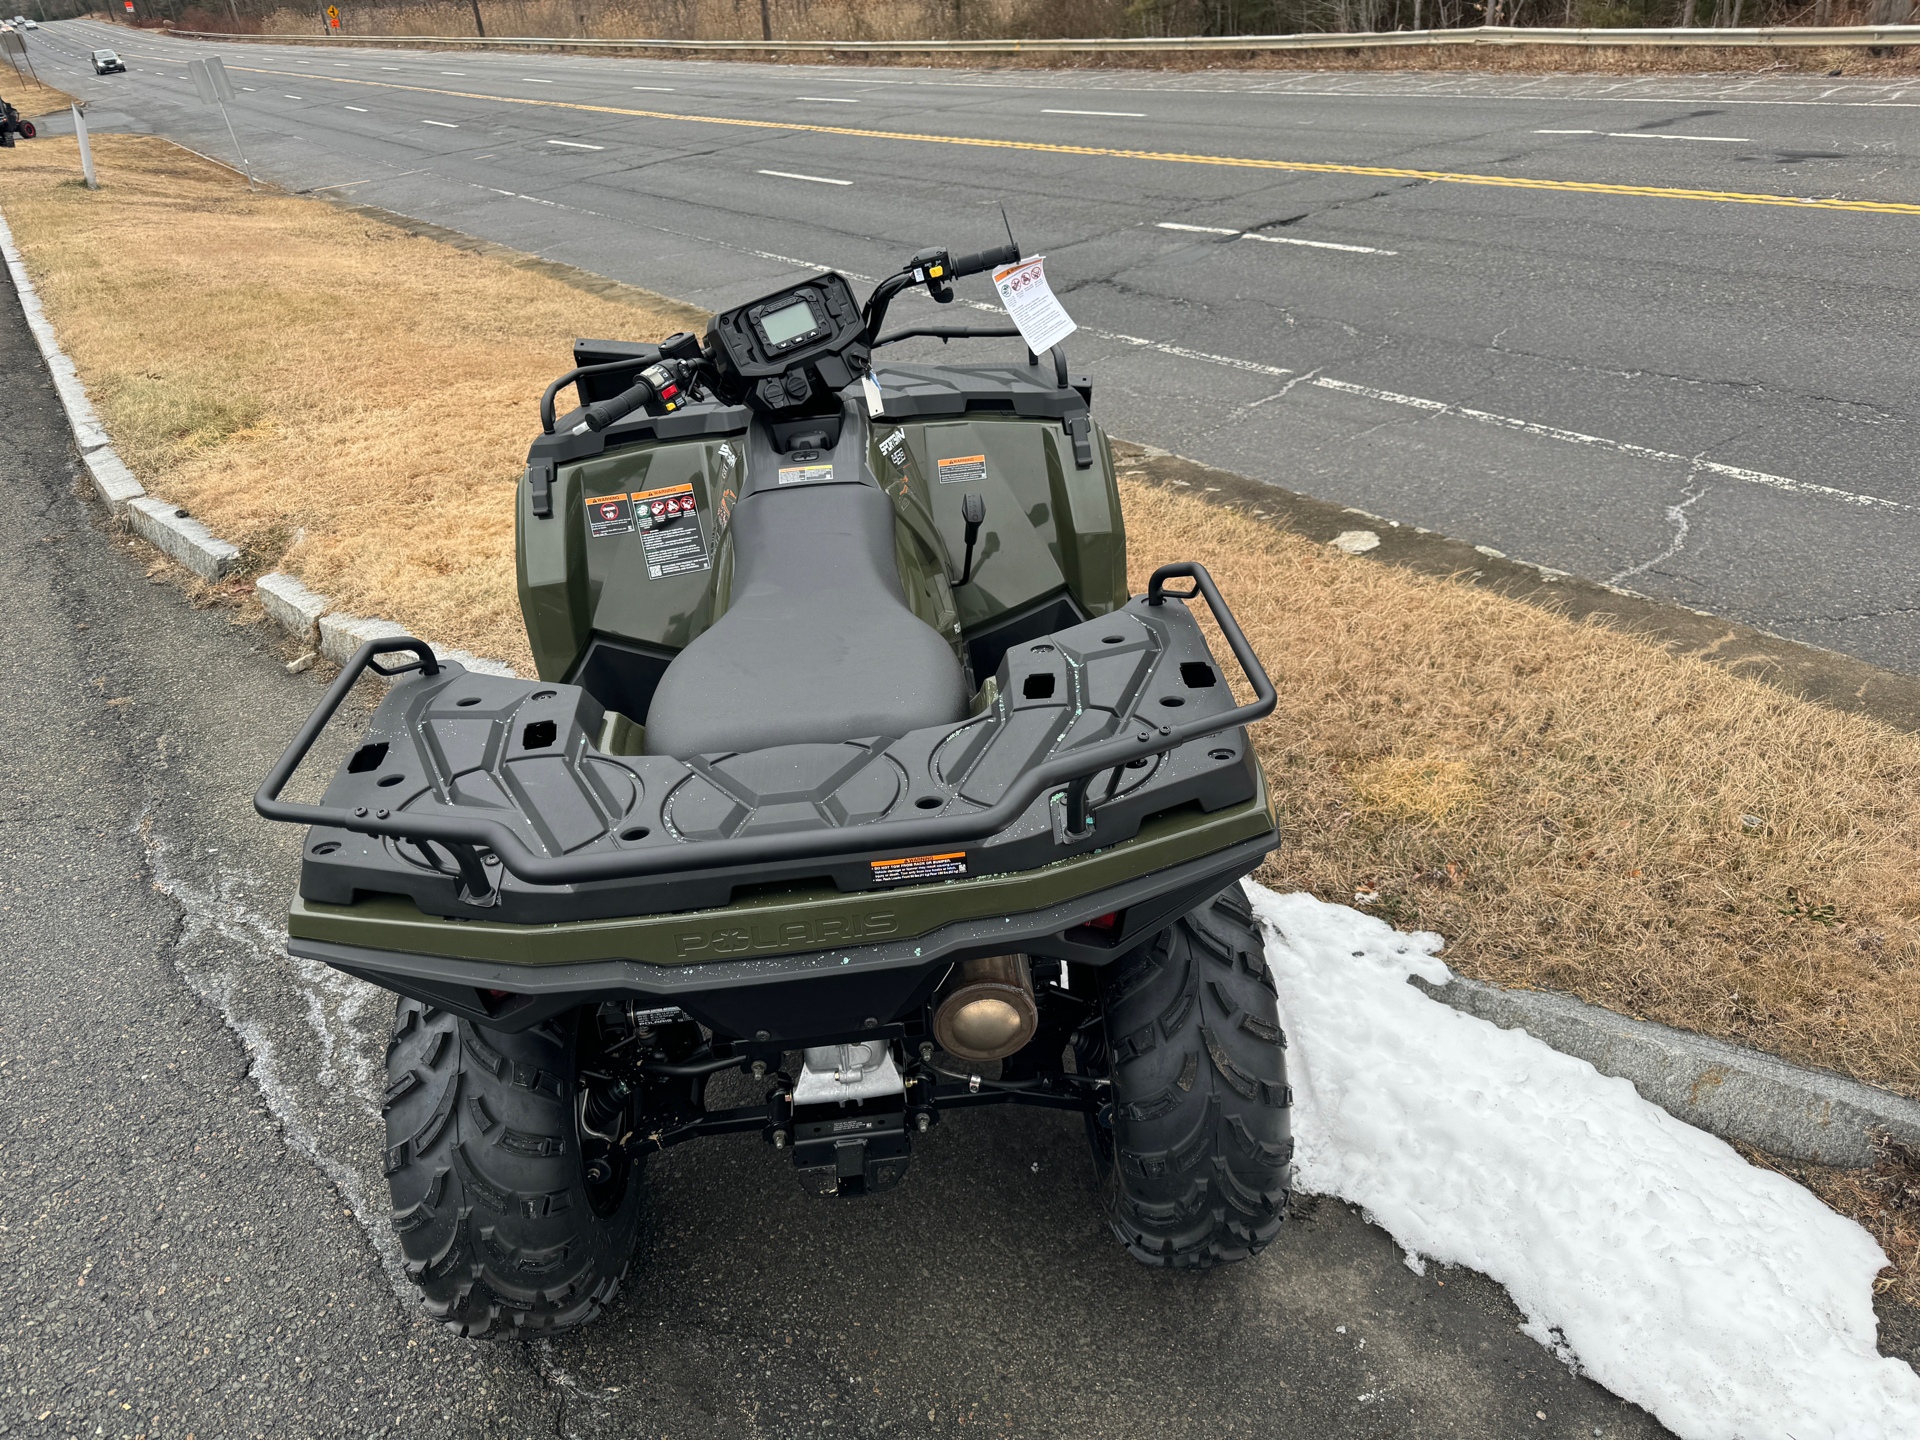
444,125
1114,114
361,109
664,89
1274,239
576,145
1649,135
293,97
817,179
827,99
529,80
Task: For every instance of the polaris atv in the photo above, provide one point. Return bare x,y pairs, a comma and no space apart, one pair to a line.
11,125
853,767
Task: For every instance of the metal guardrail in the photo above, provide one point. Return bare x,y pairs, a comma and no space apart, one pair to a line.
1766,37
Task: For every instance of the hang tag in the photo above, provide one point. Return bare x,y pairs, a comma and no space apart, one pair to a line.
1031,305
876,407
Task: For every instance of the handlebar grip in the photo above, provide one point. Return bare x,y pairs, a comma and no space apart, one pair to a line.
604,413
986,259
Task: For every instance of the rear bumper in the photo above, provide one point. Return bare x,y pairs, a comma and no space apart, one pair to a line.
760,972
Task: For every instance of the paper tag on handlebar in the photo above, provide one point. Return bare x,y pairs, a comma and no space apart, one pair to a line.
1031,305
875,405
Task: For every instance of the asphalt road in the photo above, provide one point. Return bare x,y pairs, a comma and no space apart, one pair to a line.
1707,400
194,1232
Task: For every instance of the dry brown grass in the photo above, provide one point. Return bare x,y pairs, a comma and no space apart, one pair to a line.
343,401
30,97
1569,806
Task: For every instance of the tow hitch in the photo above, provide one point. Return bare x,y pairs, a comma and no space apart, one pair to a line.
848,1120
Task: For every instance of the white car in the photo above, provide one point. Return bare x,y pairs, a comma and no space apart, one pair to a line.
29,24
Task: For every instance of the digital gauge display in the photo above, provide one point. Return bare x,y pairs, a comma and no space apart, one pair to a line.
788,323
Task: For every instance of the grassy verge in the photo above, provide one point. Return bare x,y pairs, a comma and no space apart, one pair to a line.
1570,806
30,97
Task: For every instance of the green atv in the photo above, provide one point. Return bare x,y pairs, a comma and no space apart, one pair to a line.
853,767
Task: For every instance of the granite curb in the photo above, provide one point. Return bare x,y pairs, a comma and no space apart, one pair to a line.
1734,1092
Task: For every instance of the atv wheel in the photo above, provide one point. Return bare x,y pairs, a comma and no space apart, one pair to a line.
27,132
1193,1151
505,1222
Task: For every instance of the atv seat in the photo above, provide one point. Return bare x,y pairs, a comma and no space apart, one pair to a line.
817,643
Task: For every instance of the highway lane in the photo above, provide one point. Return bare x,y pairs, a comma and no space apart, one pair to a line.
1706,400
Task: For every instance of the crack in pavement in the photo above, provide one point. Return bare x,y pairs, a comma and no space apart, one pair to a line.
1677,516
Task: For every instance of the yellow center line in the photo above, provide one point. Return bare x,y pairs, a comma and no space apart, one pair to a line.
1583,187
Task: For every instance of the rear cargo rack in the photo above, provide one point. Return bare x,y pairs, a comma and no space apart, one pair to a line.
466,838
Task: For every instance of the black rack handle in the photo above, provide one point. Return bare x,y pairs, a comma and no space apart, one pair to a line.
1157,594
473,833
267,800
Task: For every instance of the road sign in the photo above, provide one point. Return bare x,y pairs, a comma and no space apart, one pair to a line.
333,17
211,80
215,87
130,7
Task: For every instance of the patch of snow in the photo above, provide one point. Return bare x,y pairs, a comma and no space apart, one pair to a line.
1723,1298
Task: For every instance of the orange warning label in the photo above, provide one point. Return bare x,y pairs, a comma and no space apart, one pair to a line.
962,468
919,868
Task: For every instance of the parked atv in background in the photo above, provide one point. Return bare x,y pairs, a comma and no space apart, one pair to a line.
11,125
853,766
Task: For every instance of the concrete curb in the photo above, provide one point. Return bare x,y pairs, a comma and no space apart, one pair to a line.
341,634
301,612
182,537
1736,1093
112,479
87,430
297,609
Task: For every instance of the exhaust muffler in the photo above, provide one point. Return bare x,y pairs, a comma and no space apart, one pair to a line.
990,1013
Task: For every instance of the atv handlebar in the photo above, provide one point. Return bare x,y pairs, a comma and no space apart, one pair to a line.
465,835
986,259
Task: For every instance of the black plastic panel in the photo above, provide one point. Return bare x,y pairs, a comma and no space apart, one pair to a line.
458,746
913,392
621,675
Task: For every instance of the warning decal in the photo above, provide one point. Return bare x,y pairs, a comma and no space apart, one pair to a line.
609,515
963,468
919,868
803,474
671,540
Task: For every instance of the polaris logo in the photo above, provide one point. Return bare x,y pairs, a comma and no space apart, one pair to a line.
761,936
